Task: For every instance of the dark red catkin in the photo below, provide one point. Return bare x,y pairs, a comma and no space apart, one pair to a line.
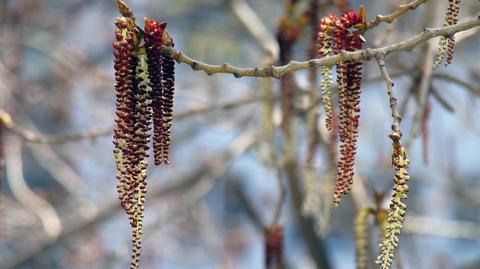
349,76
154,49
273,237
131,134
168,83
125,64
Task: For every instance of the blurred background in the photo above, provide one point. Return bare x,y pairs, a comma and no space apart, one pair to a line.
59,206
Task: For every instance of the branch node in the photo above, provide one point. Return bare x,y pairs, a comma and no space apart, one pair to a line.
194,66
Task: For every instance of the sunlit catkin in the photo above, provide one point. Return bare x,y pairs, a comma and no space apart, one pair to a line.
324,41
131,131
396,214
349,76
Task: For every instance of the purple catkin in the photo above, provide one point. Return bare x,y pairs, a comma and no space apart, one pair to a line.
154,49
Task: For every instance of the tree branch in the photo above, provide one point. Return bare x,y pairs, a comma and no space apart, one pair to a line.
360,55
397,13
393,100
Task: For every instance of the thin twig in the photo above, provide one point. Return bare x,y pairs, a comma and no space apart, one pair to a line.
393,100
394,15
360,55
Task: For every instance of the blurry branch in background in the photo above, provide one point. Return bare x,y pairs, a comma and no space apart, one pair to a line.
394,15
193,185
82,222
454,229
453,79
255,26
58,169
248,207
94,133
7,122
24,195
423,92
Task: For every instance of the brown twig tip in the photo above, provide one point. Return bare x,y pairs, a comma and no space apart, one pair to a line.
124,10
394,15
5,118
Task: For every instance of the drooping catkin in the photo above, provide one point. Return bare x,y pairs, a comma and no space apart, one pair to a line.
168,83
324,41
154,49
126,83
273,238
361,237
144,79
349,76
131,131
447,44
396,214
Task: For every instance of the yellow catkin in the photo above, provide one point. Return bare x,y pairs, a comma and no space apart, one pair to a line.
361,240
447,44
396,214
325,87
442,48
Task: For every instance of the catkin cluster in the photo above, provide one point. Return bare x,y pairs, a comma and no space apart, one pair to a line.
396,214
339,34
144,88
447,44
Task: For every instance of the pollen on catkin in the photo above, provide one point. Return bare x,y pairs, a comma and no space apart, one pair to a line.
349,76
144,79
447,44
324,41
397,211
131,131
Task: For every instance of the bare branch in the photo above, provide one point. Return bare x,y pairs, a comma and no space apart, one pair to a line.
360,55
393,100
394,15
